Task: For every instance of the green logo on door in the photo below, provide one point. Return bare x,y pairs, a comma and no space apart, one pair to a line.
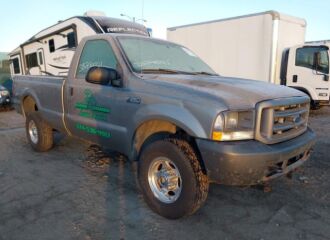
89,108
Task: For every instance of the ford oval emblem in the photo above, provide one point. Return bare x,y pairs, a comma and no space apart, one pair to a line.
296,118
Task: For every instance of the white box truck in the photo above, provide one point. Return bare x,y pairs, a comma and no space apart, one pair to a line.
268,46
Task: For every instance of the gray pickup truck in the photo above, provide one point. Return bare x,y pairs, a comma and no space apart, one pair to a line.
4,96
159,104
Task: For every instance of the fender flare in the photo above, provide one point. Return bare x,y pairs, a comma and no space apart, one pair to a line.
180,117
175,115
28,93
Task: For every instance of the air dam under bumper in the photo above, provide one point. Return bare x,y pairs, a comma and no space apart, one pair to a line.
252,162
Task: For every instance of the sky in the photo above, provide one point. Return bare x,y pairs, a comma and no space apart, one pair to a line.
20,20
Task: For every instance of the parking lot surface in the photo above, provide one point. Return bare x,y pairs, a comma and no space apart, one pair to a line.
78,191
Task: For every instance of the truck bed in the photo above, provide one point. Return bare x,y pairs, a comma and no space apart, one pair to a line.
46,91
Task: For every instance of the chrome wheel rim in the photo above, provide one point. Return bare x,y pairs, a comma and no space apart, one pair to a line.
164,180
33,132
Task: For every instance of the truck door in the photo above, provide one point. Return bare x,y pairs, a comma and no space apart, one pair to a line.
41,62
91,109
306,73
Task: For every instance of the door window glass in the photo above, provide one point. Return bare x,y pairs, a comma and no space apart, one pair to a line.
305,57
95,53
323,63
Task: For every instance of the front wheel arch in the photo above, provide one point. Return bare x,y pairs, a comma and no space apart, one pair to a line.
304,90
314,104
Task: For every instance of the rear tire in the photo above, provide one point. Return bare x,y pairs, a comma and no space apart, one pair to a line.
171,178
38,132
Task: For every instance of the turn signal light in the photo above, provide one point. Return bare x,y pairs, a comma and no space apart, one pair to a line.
217,136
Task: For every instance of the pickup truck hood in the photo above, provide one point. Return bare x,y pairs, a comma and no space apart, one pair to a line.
235,93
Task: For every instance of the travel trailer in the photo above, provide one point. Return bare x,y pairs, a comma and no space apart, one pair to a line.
50,51
268,46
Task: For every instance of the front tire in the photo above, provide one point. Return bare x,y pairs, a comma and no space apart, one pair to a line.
315,105
171,178
38,132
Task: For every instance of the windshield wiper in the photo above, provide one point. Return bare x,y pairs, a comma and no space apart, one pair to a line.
206,73
172,71
164,70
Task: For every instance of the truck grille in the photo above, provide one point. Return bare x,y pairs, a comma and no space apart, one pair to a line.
281,119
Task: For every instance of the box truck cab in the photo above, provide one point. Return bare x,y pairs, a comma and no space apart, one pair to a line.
268,46
306,67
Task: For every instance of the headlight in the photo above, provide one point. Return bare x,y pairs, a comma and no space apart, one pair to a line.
4,93
233,125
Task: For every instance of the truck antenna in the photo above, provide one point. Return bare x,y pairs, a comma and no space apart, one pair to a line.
142,10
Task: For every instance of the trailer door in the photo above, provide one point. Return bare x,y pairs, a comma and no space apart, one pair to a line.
41,61
302,72
15,66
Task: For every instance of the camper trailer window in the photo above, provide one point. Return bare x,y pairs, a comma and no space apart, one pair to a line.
95,53
31,60
16,66
51,45
71,40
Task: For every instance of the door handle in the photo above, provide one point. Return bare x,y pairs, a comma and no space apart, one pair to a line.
71,91
295,78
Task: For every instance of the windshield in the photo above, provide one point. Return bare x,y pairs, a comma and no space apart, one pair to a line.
151,55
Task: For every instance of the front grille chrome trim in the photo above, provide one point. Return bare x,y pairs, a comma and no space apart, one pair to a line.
281,119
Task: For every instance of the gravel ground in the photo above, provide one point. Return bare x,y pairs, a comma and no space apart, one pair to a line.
77,191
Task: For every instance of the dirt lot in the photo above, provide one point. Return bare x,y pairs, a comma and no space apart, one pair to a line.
77,191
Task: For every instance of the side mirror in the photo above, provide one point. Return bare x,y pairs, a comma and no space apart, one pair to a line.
101,75
317,66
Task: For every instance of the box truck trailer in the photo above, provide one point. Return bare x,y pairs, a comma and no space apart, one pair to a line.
50,51
268,46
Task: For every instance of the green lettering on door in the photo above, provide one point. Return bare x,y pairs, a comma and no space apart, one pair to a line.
90,109
92,130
